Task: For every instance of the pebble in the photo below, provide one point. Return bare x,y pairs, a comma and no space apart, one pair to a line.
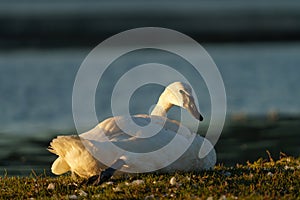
227,174
137,182
82,193
149,197
289,168
173,181
51,186
109,183
223,197
117,189
73,197
270,174
172,195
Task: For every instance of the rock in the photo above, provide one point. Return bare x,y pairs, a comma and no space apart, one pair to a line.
117,189
82,193
137,182
149,197
51,186
73,197
270,174
173,181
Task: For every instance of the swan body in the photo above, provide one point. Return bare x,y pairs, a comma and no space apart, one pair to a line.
83,154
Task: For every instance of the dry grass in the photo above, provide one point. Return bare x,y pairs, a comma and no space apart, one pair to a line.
263,179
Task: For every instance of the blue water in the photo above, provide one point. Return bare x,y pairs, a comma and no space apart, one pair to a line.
36,85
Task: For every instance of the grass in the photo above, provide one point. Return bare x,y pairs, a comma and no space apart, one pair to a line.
263,179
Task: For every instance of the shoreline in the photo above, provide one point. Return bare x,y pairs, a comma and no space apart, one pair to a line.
243,139
51,24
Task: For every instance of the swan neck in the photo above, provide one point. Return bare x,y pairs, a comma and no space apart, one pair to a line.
161,108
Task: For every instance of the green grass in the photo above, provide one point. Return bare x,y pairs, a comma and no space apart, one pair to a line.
263,179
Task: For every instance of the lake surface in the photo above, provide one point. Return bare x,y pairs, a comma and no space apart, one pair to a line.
260,80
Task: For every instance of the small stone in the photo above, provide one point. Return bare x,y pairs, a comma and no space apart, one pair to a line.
137,182
107,184
227,174
173,181
97,196
223,197
289,168
117,189
82,193
270,174
51,186
73,197
149,197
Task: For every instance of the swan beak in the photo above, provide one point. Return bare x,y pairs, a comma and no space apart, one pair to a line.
193,110
201,118
189,105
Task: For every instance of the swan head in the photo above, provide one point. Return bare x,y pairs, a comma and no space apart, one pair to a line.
178,94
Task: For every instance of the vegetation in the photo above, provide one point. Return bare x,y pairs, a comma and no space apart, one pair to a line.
263,179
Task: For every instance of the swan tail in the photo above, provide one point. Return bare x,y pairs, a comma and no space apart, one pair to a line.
60,166
74,156
63,146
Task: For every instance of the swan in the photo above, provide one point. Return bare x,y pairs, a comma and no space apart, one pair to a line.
83,154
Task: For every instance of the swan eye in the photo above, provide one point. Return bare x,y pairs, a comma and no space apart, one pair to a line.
185,98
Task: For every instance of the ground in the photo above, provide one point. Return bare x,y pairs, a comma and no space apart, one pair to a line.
263,179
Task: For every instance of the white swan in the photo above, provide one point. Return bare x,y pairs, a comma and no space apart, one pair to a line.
83,154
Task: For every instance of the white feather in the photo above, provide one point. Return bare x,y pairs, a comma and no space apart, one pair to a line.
83,154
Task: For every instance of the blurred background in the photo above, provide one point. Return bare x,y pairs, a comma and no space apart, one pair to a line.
255,44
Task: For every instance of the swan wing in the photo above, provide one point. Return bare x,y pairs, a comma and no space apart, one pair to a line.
108,142
123,128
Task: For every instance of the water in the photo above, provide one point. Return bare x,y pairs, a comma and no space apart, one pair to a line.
36,96
36,86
